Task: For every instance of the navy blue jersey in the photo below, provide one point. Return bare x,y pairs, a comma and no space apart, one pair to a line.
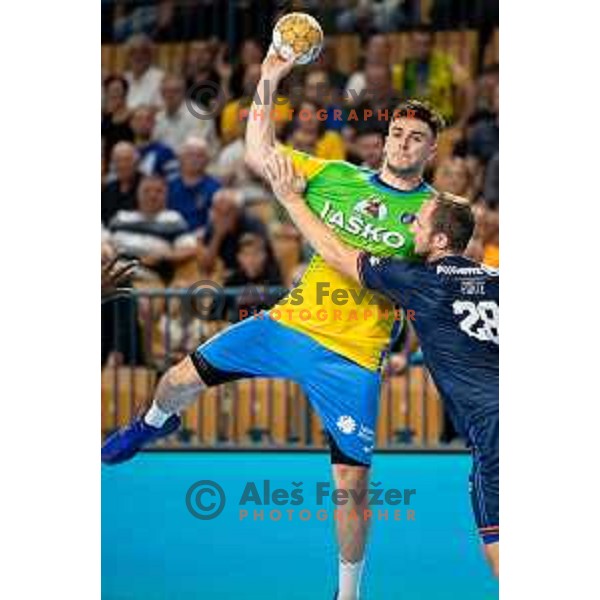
455,304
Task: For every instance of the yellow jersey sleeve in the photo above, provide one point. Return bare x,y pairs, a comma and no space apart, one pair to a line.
308,166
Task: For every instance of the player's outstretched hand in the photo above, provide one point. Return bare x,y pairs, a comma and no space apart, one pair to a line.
287,186
274,67
113,276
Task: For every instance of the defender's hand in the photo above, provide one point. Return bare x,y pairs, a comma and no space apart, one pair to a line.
287,186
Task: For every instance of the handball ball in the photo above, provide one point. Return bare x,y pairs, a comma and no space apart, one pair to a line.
298,36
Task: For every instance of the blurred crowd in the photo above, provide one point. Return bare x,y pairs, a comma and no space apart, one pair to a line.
177,195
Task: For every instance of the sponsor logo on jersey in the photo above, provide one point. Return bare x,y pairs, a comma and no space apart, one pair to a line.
372,207
356,225
454,270
346,424
407,218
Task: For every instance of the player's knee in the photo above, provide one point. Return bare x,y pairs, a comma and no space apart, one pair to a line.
183,375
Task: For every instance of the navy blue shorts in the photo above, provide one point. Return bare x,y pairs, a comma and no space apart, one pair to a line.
343,393
485,477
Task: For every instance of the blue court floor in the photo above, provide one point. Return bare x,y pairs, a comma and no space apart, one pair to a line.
153,548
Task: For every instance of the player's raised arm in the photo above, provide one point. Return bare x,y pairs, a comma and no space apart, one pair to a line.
260,129
279,170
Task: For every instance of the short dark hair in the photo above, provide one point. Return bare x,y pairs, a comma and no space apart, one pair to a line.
453,217
119,79
423,111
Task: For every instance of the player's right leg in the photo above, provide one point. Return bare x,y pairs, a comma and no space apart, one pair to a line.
253,348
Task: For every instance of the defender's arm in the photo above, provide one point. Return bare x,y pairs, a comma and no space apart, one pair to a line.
280,172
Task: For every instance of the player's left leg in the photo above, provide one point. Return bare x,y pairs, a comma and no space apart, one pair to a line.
485,487
346,396
352,521
492,553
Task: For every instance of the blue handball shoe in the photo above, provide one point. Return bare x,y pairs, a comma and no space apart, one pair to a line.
126,443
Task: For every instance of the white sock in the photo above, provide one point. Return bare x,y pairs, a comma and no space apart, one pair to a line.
156,417
349,579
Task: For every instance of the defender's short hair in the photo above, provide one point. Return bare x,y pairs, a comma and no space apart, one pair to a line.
453,217
423,111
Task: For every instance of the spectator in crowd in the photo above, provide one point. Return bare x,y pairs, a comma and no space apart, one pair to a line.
484,244
327,62
155,158
453,175
492,181
317,88
254,264
379,97
236,109
157,237
121,190
369,16
308,133
486,86
255,269
191,192
377,50
143,77
116,115
230,168
199,70
369,147
483,139
251,54
228,223
434,76
176,122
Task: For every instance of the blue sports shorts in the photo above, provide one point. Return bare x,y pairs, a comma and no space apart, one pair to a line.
344,394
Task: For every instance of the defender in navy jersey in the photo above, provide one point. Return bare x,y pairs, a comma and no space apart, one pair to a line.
455,303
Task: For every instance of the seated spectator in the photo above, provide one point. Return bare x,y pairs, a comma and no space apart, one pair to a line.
255,271
435,77
327,61
231,169
485,89
484,245
483,139
317,89
158,237
155,157
228,223
308,134
251,53
236,110
143,77
199,69
368,146
116,115
176,122
368,16
377,50
492,182
378,96
191,192
121,189
453,175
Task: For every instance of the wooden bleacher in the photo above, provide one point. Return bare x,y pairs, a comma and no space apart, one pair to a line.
273,412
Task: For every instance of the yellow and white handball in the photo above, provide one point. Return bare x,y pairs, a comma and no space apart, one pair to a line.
298,36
